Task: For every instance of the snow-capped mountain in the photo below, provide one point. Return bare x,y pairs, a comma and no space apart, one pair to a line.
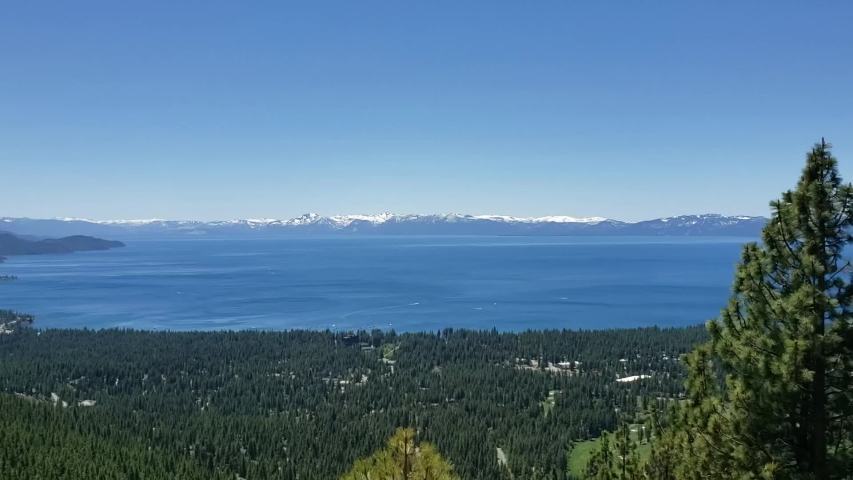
394,224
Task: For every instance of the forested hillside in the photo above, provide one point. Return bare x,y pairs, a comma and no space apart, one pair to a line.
306,404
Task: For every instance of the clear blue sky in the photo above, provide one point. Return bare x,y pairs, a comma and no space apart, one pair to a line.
225,109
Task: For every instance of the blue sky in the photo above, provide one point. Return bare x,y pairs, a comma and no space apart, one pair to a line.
217,109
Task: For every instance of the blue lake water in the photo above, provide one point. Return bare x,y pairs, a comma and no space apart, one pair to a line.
405,283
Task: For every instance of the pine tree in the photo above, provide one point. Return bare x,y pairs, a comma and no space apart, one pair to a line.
784,408
628,459
661,464
403,459
600,464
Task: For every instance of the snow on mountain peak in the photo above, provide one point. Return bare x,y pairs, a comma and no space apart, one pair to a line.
497,218
129,222
389,223
419,223
547,219
74,219
345,220
563,219
342,221
305,219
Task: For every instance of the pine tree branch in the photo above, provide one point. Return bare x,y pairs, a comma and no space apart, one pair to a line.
838,271
837,221
742,319
841,417
838,442
764,287
787,243
845,384
816,227
752,419
709,443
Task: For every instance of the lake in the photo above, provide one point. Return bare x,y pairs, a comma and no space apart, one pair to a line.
404,283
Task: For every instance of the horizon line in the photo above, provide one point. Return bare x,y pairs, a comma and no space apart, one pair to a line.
386,215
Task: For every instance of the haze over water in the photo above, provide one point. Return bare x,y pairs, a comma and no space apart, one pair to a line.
405,283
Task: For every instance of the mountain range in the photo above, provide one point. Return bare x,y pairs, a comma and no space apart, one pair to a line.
393,224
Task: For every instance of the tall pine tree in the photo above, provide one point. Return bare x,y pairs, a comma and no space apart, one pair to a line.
783,345
628,459
403,459
601,462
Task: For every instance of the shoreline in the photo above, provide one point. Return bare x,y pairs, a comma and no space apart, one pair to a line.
342,333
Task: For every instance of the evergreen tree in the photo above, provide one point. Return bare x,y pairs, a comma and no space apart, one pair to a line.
627,450
665,450
600,465
784,344
403,459
619,461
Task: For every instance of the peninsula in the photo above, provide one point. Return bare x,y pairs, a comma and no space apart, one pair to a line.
12,244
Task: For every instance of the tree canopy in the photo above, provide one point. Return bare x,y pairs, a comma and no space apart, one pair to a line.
302,405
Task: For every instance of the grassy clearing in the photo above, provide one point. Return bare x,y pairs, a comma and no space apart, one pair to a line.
548,403
580,455
581,451
388,351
